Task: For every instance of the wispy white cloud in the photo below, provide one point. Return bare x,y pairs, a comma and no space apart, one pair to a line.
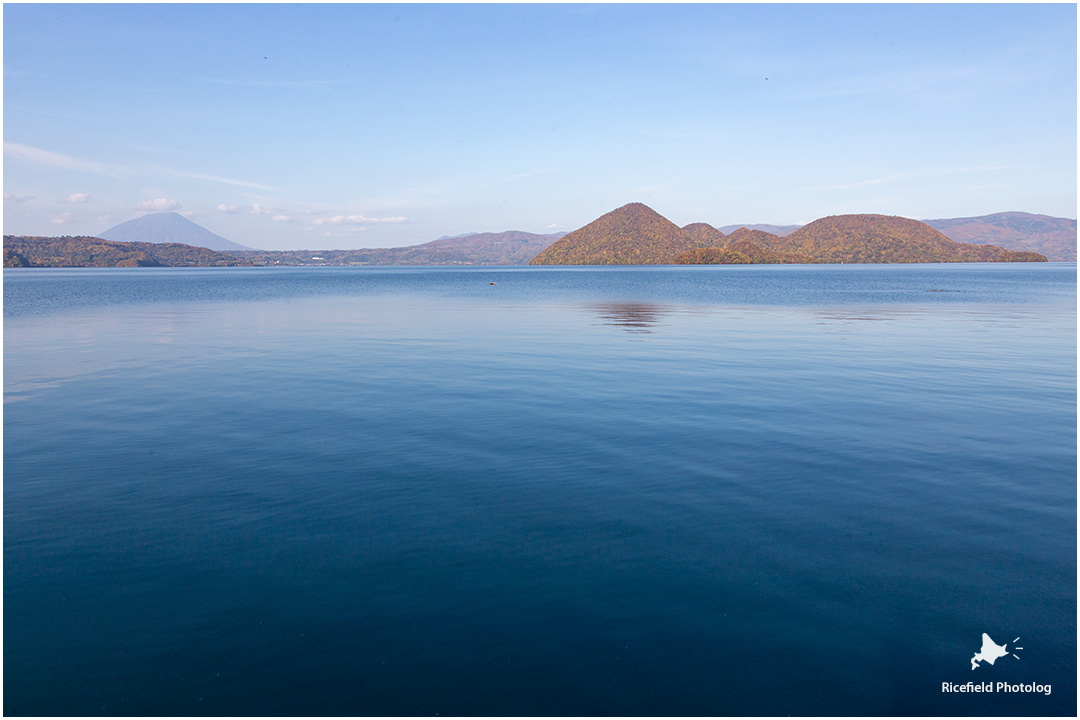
923,173
344,232
919,79
283,218
158,205
60,220
54,159
77,198
529,174
215,178
680,134
12,197
357,220
281,84
995,186
255,209
69,162
866,183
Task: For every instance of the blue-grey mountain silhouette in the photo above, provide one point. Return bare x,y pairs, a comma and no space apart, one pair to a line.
1054,237
779,230
168,227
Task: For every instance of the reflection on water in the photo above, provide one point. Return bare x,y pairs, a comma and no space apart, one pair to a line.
633,317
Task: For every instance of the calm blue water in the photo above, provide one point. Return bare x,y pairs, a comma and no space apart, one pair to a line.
679,491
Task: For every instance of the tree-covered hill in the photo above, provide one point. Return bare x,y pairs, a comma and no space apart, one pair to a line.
636,234
743,247
633,234
83,251
879,239
704,234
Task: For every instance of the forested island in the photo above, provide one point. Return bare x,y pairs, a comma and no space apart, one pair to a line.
635,234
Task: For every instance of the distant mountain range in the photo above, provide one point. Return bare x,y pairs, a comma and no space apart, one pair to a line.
780,230
632,234
1053,237
635,234
505,248
168,227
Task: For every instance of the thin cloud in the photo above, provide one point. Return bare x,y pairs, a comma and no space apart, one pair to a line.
158,205
531,173
69,162
11,197
343,232
77,198
928,172
283,218
215,178
905,81
357,220
866,183
285,84
255,209
48,157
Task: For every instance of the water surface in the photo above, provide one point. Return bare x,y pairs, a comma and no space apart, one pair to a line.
539,491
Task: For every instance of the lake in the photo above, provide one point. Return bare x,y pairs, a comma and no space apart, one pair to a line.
714,490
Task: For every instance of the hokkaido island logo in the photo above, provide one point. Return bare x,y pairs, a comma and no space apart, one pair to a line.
991,651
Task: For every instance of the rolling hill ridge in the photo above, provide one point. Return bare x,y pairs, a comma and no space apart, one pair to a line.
1052,236
637,235
84,251
632,234
511,247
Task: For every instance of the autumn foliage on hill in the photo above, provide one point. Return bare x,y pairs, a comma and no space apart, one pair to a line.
634,234
880,239
82,251
705,234
712,256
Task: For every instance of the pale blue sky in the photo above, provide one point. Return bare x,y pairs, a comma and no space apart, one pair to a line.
339,126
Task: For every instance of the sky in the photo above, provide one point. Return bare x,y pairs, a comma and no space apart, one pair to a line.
307,126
